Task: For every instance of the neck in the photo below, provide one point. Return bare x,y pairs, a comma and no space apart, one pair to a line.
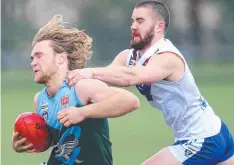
55,82
154,41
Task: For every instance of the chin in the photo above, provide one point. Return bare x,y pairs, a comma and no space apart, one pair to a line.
133,43
135,40
136,46
39,80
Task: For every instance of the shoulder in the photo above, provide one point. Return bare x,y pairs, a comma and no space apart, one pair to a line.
35,101
166,46
169,58
124,52
88,88
88,84
36,97
121,58
168,52
39,94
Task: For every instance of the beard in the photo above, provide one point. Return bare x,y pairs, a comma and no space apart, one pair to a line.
143,41
41,78
44,76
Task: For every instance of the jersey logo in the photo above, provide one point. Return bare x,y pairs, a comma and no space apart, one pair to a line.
45,116
44,106
203,103
132,62
65,101
191,147
188,153
68,151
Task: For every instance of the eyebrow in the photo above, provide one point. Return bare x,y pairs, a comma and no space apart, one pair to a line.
138,19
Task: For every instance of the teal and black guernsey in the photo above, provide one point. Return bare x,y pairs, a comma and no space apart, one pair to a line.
86,143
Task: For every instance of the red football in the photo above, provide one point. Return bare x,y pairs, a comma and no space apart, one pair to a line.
34,128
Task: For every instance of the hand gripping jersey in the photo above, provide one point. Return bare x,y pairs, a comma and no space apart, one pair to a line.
184,108
86,143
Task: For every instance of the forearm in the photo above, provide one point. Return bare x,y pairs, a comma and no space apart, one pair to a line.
116,105
118,76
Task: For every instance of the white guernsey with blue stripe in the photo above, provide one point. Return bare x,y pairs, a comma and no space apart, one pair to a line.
184,108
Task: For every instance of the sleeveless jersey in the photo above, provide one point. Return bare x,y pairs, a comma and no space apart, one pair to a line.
86,143
183,107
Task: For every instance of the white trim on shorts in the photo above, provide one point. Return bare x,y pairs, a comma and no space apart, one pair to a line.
184,151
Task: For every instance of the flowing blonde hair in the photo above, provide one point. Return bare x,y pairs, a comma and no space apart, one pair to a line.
74,42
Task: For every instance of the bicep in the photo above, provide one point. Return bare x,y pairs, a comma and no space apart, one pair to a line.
120,59
160,67
102,93
92,90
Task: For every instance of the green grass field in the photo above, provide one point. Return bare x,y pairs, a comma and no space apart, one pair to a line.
135,136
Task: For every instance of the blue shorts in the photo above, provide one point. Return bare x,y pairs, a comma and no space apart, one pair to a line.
207,151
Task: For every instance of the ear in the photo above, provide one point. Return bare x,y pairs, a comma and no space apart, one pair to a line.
62,57
160,26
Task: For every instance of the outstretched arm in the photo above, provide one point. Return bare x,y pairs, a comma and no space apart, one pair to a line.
75,75
107,102
159,67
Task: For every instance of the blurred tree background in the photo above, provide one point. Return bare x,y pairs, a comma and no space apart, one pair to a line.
201,29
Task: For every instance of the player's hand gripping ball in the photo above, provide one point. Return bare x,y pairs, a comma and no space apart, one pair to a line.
34,128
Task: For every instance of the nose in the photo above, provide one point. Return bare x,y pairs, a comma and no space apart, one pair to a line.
33,62
133,26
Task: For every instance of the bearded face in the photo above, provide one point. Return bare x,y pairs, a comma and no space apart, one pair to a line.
145,27
139,41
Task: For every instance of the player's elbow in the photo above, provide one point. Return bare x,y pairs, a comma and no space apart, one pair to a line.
134,102
130,82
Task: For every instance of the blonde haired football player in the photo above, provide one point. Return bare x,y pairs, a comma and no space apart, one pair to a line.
76,116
